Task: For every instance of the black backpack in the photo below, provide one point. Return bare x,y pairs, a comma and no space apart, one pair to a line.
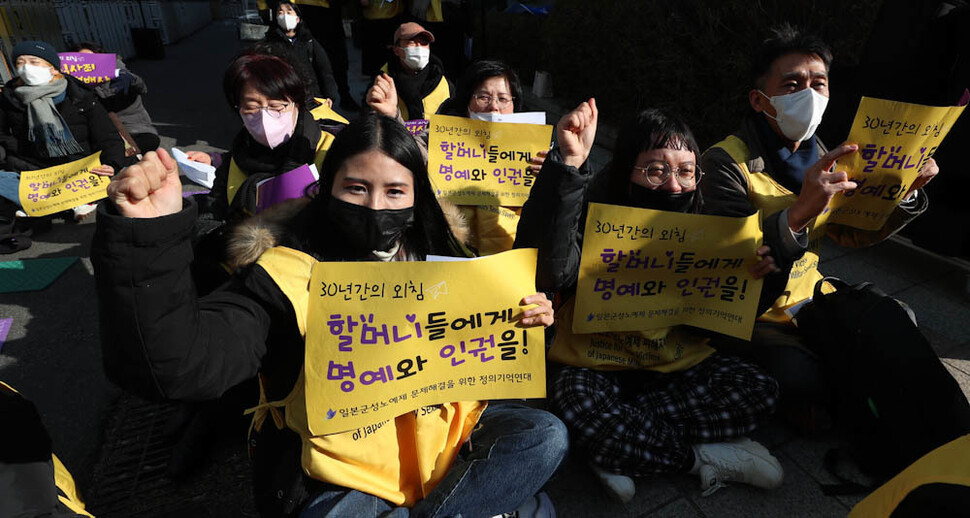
893,400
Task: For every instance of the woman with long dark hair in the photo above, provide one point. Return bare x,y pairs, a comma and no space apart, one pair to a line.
374,203
682,407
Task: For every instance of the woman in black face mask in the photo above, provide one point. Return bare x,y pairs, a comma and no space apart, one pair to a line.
373,203
683,407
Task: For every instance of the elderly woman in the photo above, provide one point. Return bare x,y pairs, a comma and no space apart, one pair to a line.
682,407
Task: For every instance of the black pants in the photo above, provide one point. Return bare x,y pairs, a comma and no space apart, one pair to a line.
326,24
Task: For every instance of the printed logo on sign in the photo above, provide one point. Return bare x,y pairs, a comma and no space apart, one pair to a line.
438,289
331,413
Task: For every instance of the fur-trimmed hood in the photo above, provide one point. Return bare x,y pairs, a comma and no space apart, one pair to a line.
257,234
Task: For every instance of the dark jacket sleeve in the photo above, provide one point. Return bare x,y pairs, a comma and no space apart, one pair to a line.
323,71
158,339
550,221
725,192
104,136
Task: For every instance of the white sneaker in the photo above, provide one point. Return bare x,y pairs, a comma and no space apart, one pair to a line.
82,211
740,460
539,506
618,486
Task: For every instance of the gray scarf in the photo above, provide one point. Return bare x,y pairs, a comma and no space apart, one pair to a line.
45,126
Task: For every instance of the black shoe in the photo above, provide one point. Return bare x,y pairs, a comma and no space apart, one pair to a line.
13,244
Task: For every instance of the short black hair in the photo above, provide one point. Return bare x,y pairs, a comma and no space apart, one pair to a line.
652,128
476,74
268,74
783,40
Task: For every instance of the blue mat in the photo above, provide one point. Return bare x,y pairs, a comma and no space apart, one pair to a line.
32,274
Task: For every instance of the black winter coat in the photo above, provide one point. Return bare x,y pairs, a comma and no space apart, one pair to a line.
84,115
307,57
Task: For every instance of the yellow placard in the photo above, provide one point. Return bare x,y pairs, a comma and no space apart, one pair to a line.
895,139
324,112
645,269
475,162
62,187
385,339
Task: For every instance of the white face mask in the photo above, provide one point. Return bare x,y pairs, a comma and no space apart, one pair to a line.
35,75
799,113
416,58
287,22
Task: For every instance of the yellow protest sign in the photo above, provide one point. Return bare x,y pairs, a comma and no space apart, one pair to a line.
62,187
645,269
473,162
384,339
324,111
895,139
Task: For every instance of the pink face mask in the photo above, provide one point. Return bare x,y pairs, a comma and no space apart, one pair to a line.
267,129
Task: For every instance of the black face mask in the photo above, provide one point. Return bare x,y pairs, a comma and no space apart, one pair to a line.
656,199
366,229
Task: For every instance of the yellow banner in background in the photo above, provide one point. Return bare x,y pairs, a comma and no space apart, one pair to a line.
387,338
473,162
645,269
895,139
51,190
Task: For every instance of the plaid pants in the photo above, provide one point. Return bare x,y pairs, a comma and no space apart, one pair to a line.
641,422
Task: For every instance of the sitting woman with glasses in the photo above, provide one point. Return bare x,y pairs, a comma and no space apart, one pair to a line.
486,87
683,407
278,135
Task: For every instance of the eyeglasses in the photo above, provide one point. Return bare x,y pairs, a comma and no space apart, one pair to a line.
484,100
273,109
657,173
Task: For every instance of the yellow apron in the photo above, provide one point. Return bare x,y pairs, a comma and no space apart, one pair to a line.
668,349
769,197
383,9
400,460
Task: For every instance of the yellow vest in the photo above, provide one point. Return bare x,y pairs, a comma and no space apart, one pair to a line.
948,464
768,197
237,176
434,12
400,460
66,489
494,227
383,9
668,349
431,102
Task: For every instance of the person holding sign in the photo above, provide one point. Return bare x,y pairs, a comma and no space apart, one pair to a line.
48,119
658,400
303,52
122,96
374,202
485,88
776,165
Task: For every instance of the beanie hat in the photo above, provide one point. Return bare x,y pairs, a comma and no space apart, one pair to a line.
41,49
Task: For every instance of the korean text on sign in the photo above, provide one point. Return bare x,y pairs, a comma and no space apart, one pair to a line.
90,68
473,162
895,140
51,190
387,338
645,269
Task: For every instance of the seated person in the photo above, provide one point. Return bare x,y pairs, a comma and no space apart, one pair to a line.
122,96
303,52
417,75
48,119
374,202
684,408
774,163
485,87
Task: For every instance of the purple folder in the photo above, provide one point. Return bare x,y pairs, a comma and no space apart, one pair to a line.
284,187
